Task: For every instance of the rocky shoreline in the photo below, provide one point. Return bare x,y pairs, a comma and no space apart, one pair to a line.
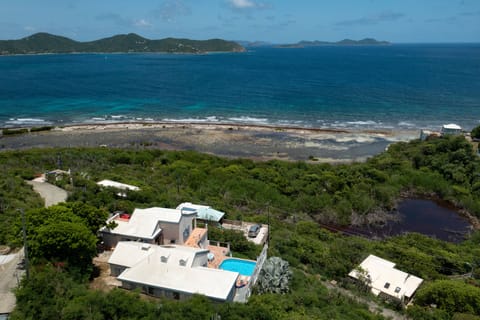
258,142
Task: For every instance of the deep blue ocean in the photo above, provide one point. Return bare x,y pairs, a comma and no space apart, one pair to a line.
377,87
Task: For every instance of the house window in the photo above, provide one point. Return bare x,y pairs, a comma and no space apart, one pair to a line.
186,233
387,285
176,296
397,289
150,291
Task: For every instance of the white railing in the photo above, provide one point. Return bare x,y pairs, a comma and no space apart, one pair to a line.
260,261
219,244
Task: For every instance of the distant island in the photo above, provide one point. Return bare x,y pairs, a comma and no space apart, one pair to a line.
345,42
44,43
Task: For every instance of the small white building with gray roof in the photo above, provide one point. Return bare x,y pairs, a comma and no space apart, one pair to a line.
451,129
383,278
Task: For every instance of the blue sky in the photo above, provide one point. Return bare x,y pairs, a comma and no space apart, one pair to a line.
279,21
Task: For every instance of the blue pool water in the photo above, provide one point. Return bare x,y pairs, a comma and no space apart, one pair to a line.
244,267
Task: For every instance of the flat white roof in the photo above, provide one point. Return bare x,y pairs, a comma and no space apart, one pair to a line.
203,212
452,126
385,278
144,223
117,185
130,253
158,214
151,271
213,283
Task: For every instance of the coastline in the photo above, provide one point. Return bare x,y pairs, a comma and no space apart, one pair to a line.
234,140
119,53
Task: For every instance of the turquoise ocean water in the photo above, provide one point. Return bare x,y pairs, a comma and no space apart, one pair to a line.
379,87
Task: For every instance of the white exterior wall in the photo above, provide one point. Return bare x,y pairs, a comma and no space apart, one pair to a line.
201,260
161,292
185,223
170,231
111,240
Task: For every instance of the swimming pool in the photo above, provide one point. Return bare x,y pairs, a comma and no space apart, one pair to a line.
244,267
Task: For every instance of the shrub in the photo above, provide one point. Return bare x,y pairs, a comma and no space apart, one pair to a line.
44,128
7,132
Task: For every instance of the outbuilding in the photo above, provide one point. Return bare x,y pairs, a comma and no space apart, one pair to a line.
451,129
383,279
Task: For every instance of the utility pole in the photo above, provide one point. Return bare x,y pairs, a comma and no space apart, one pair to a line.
268,217
25,249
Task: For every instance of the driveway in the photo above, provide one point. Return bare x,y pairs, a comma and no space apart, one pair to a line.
9,279
50,193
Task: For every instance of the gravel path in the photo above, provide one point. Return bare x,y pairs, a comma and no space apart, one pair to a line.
50,193
9,278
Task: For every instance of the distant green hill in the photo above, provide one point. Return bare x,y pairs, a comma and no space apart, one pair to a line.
124,43
345,42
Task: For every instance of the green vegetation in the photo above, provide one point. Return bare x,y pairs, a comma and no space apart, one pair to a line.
476,132
238,243
294,197
451,296
274,277
63,233
7,132
54,294
125,43
44,128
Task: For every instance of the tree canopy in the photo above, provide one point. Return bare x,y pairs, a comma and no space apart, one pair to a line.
293,197
476,132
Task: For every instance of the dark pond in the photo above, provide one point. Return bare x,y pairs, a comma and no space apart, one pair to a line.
427,217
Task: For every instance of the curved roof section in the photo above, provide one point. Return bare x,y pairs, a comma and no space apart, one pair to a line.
203,212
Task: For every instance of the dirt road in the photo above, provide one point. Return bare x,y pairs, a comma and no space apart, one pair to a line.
50,193
10,276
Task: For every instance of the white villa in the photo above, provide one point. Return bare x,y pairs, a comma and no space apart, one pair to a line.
383,278
163,252
152,225
172,271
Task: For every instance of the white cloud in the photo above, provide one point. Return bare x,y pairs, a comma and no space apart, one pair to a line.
142,23
29,28
242,4
247,5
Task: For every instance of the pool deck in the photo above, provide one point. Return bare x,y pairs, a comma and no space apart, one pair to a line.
196,237
220,254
